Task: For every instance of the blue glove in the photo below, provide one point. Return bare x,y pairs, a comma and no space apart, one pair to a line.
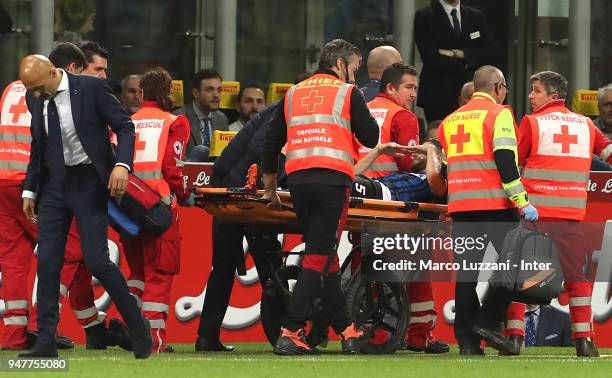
189,201
530,212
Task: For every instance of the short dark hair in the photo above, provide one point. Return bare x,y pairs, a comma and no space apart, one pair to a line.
156,86
66,53
206,73
91,48
553,82
301,77
335,49
393,75
250,86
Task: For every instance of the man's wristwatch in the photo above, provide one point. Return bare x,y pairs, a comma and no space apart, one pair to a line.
455,53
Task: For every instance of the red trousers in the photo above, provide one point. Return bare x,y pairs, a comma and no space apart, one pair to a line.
568,237
153,262
423,316
17,241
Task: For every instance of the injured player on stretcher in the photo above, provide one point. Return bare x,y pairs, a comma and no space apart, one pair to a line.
427,182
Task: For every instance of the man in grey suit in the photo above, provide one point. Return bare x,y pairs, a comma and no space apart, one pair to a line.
203,113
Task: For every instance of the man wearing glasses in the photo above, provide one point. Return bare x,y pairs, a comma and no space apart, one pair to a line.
484,186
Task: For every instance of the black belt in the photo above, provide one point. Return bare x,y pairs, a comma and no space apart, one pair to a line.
79,166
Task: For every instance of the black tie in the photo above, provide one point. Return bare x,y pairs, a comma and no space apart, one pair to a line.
456,24
55,147
205,129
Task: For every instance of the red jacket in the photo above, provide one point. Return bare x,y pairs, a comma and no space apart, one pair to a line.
602,147
175,150
404,131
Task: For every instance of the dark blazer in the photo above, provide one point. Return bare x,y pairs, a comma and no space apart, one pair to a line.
231,167
94,109
442,76
554,328
371,90
219,122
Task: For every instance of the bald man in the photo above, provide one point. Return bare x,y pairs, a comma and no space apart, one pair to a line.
485,194
379,59
71,171
467,90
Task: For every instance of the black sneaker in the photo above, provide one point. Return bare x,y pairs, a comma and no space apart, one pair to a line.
293,344
351,340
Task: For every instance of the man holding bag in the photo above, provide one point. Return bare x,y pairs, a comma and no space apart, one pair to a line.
154,259
555,148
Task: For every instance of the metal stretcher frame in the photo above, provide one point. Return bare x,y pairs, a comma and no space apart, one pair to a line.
245,206
388,309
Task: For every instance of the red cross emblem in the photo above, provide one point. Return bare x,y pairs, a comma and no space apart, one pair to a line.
312,101
139,145
18,109
566,139
460,138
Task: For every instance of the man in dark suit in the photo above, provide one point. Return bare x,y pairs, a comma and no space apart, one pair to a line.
547,326
453,41
230,170
203,113
70,172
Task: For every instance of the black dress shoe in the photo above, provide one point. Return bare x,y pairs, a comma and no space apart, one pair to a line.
431,347
118,330
61,341
39,352
142,342
517,340
495,339
207,345
585,347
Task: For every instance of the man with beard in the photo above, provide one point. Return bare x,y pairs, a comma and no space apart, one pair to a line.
203,113
251,100
131,93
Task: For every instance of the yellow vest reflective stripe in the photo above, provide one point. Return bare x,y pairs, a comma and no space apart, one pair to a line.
467,137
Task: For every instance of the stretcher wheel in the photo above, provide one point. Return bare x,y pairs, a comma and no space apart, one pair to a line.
381,309
274,304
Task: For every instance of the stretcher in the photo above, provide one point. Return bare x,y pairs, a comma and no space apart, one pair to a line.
245,206
380,308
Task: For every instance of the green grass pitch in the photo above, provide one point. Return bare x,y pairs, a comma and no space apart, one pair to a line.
256,360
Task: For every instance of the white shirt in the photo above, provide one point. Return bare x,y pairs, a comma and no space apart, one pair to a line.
236,126
449,8
73,149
